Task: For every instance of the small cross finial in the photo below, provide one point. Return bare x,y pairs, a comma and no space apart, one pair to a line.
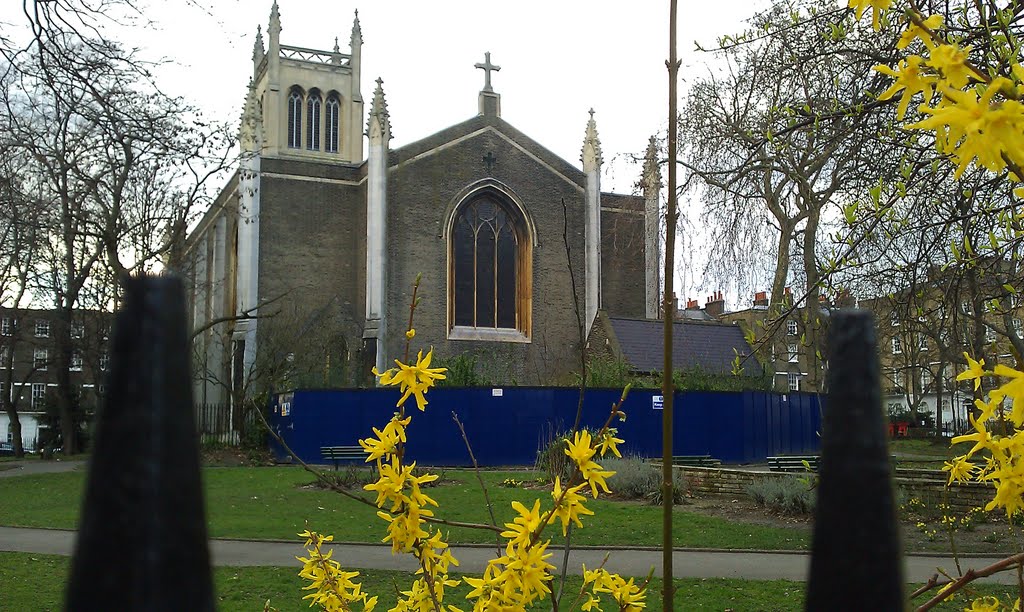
336,48
591,111
490,160
487,67
380,81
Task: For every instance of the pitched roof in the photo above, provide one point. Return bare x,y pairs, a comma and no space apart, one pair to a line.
710,345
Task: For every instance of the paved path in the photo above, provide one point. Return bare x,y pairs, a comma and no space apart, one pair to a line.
686,563
38,466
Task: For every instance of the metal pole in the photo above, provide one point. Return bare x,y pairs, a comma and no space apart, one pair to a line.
856,561
142,539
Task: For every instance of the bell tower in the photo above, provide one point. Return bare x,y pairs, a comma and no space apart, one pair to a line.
304,103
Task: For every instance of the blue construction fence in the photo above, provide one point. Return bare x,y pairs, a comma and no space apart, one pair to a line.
506,426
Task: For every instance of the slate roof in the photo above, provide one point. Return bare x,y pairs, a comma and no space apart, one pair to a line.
708,344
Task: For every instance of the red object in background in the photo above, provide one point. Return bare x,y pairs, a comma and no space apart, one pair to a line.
902,428
892,430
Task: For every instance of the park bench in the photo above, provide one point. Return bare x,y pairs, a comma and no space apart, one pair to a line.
793,463
696,461
342,453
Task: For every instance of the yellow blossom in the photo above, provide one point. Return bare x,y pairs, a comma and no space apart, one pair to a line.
521,529
951,62
910,79
412,380
568,506
409,335
960,469
975,370
915,31
609,443
876,6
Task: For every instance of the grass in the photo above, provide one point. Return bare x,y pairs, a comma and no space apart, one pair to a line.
271,503
34,583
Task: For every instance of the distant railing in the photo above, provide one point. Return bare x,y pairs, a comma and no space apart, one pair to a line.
142,541
220,423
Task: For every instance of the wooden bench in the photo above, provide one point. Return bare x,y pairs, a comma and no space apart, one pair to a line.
793,463
696,461
342,453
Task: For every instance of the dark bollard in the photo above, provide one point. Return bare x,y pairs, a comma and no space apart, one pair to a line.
142,536
856,561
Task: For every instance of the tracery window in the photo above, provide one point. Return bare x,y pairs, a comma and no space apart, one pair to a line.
295,119
313,121
489,253
332,123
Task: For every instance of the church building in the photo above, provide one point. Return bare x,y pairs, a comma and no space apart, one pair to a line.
302,272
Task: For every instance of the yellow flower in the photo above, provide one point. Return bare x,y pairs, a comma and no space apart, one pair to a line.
568,506
985,604
951,62
975,370
910,80
579,450
914,31
609,443
412,380
877,6
409,335
960,469
520,530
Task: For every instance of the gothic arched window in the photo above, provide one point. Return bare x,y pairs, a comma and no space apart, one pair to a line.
295,118
489,255
332,123
313,121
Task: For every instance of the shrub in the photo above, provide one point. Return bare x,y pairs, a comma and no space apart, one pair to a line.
552,460
785,495
635,478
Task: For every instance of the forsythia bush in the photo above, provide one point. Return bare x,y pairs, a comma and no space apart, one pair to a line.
514,581
976,117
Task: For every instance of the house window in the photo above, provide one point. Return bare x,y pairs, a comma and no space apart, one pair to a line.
38,395
894,319
76,361
1018,327
792,353
791,327
104,362
922,342
926,380
897,347
794,381
42,328
489,266
965,307
897,379
5,356
313,121
990,334
6,326
295,119
40,359
77,330
332,123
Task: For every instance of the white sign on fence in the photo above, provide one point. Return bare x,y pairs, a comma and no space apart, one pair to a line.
658,402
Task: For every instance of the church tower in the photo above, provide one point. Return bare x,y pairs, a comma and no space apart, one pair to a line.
304,103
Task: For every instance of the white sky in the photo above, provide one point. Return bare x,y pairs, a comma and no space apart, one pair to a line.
558,59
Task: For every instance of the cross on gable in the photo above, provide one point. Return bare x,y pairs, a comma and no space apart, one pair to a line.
487,67
490,160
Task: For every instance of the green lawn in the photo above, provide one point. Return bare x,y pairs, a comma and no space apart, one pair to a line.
34,583
272,503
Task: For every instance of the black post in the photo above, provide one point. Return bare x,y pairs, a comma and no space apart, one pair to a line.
142,537
856,562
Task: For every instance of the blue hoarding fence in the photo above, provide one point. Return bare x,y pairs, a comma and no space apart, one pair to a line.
508,425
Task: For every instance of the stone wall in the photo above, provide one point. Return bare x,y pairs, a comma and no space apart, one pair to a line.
926,485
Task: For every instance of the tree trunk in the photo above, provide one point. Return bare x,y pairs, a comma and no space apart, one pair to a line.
12,413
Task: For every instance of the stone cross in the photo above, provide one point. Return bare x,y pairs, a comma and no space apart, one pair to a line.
490,160
487,67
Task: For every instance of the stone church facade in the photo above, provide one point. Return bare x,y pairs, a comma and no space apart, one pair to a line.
302,272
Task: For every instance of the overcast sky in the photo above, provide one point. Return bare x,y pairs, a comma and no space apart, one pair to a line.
558,59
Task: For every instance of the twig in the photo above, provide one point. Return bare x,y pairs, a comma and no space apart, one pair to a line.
483,486
969,576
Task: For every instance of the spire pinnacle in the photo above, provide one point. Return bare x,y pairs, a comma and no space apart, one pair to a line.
336,49
591,156
357,32
652,171
379,124
275,20
257,46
